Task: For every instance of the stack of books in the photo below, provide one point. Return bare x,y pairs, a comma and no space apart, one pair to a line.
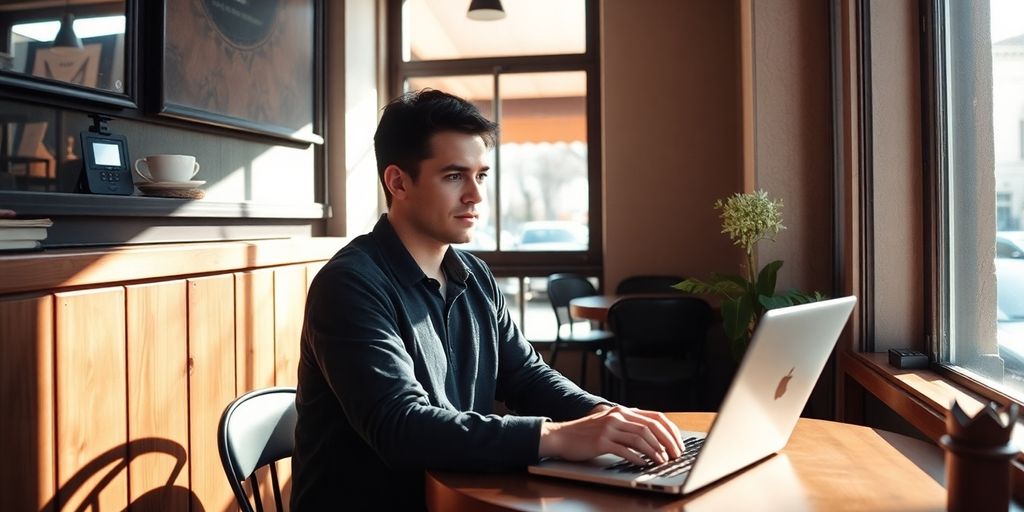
22,234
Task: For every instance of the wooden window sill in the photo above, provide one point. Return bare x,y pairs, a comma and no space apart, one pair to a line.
923,398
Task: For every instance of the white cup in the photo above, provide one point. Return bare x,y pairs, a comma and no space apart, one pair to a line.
167,168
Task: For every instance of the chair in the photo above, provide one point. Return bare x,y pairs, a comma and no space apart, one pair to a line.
257,429
647,284
658,341
561,289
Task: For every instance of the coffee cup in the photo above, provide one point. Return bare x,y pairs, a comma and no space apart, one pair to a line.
167,168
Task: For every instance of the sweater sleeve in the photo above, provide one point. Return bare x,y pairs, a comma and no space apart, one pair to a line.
352,330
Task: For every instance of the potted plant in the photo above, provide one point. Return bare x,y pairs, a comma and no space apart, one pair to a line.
748,219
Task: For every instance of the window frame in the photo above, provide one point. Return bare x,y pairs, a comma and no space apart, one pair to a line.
515,263
936,161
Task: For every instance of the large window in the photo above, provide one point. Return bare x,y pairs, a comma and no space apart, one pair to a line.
535,73
982,112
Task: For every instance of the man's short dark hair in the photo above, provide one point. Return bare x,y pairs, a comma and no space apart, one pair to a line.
408,122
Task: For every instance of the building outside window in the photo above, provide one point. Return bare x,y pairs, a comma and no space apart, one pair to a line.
535,73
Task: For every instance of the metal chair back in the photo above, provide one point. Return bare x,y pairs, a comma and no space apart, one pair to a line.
256,429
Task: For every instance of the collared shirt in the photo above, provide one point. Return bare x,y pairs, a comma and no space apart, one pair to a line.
395,379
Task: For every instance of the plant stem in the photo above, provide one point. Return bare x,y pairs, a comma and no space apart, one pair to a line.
751,276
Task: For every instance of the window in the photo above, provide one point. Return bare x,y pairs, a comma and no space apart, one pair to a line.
983,188
535,73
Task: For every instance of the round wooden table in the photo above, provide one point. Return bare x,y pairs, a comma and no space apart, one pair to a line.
595,307
826,466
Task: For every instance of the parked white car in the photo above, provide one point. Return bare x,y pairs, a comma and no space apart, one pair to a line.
1010,275
552,235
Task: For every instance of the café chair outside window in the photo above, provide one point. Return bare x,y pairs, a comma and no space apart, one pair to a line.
562,288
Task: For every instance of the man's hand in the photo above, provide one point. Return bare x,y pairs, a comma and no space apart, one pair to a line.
618,430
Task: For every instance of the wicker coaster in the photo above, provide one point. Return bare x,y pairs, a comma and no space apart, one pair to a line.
178,193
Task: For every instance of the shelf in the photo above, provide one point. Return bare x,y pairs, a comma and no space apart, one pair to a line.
58,204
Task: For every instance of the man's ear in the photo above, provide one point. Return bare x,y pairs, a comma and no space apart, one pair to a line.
396,180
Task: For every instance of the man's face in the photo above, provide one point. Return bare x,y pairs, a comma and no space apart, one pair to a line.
442,202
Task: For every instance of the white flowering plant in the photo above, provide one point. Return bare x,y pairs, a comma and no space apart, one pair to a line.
748,219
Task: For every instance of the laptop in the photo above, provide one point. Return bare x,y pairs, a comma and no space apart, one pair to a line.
783,361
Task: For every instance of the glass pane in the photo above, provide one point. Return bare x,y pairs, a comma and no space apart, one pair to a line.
540,322
986,182
540,318
478,90
82,45
510,289
439,29
544,182
38,148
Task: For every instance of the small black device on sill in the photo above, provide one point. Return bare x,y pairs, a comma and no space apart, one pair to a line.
105,160
906,359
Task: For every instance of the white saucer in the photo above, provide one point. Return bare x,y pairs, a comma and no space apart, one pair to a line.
170,185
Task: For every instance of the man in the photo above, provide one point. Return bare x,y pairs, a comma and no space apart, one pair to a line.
408,342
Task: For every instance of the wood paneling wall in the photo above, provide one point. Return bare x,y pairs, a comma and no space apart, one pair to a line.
111,392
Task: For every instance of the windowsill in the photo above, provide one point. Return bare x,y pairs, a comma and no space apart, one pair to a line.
923,398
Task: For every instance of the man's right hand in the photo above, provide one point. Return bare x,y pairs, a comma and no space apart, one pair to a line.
621,431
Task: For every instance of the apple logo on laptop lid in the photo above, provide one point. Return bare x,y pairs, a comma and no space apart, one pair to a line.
783,383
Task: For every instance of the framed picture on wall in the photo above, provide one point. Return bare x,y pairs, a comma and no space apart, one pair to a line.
251,66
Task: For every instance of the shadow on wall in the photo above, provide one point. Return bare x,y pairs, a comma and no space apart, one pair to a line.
168,497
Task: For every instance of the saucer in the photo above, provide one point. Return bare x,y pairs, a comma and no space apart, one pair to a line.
170,185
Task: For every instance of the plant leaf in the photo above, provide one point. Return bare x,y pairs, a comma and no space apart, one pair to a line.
730,319
789,297
767,277
724,287
732,278
775,301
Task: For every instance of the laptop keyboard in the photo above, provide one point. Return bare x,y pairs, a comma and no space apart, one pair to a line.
674,467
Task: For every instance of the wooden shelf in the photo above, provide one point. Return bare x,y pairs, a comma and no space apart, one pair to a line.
68,268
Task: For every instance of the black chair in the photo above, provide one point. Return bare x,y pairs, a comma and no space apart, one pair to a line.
647,284
257,429
561,289
660,342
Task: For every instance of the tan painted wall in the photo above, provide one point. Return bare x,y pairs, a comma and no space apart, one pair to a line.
791,135
899,285
671,121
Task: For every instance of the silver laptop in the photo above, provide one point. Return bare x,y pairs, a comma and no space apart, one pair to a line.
786,355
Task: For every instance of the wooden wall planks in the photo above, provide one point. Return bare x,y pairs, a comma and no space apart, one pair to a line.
128,381
158,475
26,403
211,352
91,393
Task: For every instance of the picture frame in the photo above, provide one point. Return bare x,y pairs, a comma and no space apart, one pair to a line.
252,66
117,66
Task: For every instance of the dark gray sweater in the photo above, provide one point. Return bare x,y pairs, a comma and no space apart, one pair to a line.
395,379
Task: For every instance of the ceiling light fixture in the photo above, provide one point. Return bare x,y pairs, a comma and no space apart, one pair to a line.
66,36
485,10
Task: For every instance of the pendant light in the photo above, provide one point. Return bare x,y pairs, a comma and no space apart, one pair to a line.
485,10
66,36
